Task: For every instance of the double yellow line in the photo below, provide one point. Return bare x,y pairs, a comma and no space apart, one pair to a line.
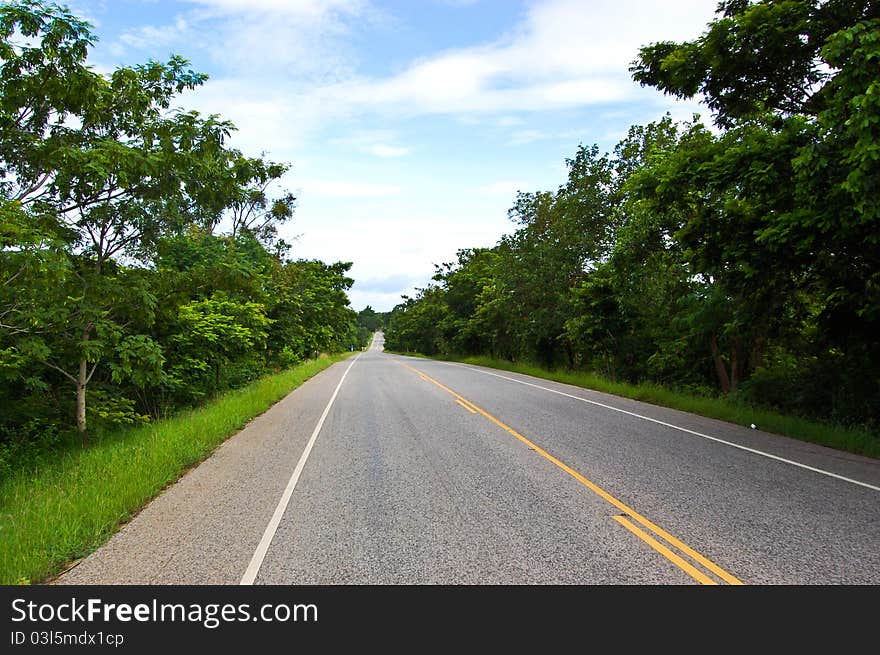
666,549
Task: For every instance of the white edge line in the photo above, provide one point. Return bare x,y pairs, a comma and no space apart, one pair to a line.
674,427
260,553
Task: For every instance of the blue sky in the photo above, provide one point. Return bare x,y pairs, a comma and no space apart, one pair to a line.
409,125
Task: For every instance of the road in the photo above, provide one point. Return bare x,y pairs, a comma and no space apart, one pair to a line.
389,469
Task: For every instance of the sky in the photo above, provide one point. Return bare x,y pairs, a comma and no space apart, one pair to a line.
409,125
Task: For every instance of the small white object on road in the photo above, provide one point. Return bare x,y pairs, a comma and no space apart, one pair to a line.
753,426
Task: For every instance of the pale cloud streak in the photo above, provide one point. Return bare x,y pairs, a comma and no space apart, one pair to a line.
378,143
149,35
303,40
384,150
522,137
506,188
346,189
301,8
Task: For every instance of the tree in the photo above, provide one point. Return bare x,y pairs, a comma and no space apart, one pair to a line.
783,203
756,58
139,255
214,332
743,258
413,324
370,319
108,161
253,210
464,283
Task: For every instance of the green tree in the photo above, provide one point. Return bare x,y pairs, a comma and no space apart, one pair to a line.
214,332
756,57
782,213
114,166
414,324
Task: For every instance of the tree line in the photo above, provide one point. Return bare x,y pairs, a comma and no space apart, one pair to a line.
369,321
740,259
140,265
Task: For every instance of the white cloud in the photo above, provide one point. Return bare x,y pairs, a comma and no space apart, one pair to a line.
384,150
284,70
566,53
502,188
387,283
379,301
509,121
149,35
303,40
346,189
311,8
523,137
266,119
399,245
289,69
87,11
454,86
378,143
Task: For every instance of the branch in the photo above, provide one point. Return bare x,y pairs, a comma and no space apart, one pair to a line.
88,228
62,371
250,211
26,112
89,376
94,200
27,201
34,187
114,246
263,190
13,330
8,310
12,279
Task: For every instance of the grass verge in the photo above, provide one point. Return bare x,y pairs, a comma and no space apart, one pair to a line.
858,441
66,510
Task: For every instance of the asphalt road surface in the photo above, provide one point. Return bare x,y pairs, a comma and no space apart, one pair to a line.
388,469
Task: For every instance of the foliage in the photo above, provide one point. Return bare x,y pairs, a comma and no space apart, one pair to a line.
140,262
742,259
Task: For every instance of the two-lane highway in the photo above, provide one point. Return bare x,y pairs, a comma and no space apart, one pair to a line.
387,469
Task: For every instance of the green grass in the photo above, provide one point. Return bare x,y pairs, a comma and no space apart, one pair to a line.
853,440
66,510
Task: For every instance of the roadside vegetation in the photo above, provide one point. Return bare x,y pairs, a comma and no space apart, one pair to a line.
141,271
738,265
69,506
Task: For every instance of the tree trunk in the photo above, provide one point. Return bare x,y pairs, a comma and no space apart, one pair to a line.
737,363
81,383
720,368
756,358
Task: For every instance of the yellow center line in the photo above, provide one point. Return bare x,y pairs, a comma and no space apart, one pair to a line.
683,564
466,406
625,509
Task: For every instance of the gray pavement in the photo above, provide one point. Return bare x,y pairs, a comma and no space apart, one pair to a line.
406,485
